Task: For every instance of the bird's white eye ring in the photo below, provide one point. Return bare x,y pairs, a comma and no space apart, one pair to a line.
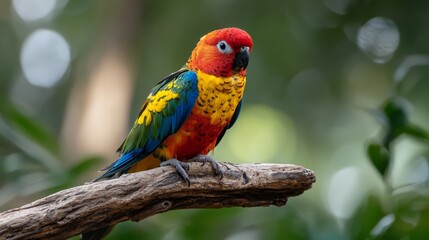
223,47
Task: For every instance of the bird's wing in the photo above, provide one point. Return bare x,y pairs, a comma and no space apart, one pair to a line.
165,110
231,123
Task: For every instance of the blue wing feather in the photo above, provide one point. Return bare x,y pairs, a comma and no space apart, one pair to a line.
143,140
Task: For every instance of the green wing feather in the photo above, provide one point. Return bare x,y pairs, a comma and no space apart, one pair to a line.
166,108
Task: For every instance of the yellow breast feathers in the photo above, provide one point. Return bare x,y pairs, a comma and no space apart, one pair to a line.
219,96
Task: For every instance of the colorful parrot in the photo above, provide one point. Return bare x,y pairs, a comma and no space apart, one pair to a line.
186,114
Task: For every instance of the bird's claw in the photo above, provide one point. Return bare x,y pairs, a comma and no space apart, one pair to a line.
206,158
181,168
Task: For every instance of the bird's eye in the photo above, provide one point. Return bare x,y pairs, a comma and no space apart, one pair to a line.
223,47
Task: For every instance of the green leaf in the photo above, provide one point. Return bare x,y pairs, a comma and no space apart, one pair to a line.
69,177
382,226
29,127
416,132
83,166
366,217
379,157
30,147
397,111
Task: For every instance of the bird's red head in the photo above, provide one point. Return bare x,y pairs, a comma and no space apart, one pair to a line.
222,53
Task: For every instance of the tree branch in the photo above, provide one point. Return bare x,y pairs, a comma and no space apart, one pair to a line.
144,194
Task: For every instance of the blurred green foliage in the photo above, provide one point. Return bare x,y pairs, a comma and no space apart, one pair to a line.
315,65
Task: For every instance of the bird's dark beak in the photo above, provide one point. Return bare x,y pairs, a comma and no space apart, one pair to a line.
241,59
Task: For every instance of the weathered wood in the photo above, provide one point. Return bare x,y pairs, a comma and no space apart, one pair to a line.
144,194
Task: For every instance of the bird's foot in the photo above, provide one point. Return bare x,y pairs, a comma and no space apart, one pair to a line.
206,158
181,168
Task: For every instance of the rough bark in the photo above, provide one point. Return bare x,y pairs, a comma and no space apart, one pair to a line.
138,196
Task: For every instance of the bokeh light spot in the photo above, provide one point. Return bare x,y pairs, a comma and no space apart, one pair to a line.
344,192
415,172
378,39
420,171
33,10
45,57
383,225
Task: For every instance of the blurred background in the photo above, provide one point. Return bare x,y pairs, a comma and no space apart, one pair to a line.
337,86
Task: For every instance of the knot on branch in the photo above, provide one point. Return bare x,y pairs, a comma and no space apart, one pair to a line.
150,211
